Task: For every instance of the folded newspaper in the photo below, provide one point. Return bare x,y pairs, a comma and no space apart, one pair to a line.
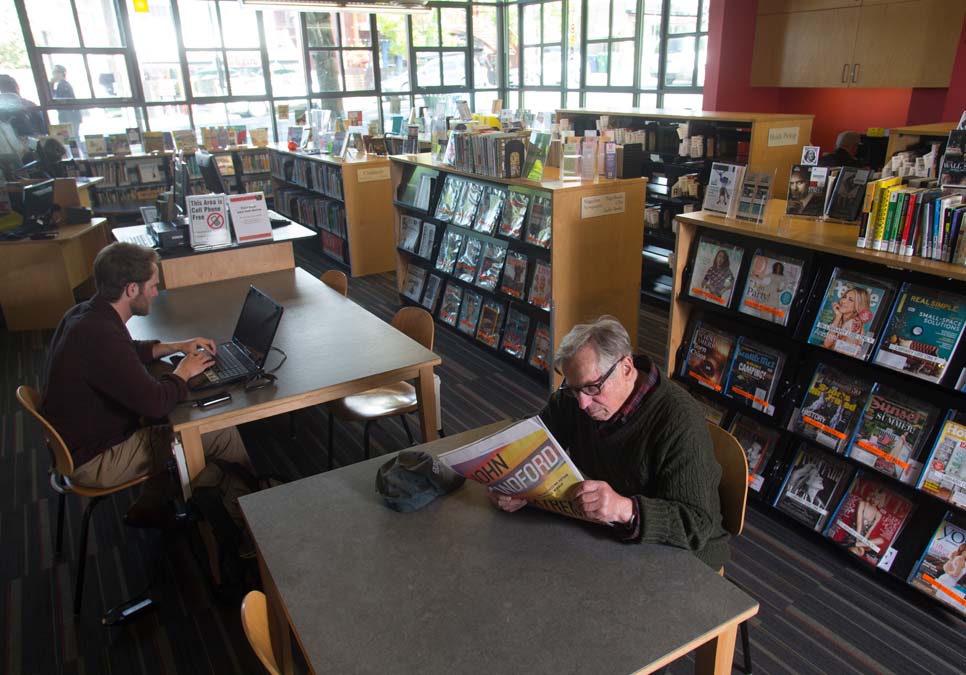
523,460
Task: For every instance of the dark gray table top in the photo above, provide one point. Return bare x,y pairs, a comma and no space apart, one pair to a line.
462,587
330,340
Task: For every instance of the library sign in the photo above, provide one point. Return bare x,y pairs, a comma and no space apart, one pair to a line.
602,205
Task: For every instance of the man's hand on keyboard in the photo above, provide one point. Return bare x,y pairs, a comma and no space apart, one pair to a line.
194,344
194,363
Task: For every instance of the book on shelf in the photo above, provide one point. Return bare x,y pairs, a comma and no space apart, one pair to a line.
449,198
426,240
469,259
846,197
708,357
539,224
831,177
758,442
891,433
470,311
536,155
494,255
449,308
491,206
149,172
413,285
755,190
449,249
118,144
853,310
953,171
515,333
723,190
488,328
941,570
754,375
431,294
514,214
831,408
469,201
259,137
771,286
95,144
153,142
714,412
923,332
869,518
408,232
540,285
424,190
813,487
879,211
944,472
715,270
540,348
515,274
806,190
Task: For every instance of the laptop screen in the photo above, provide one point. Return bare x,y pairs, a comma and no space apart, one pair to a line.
257,324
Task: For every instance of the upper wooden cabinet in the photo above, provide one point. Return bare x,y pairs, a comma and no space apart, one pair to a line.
844,43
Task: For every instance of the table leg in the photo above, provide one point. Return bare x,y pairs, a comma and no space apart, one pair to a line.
426,397
194,453
277,621
716,656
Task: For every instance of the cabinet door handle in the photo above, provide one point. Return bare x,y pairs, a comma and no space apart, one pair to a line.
855,72
845,72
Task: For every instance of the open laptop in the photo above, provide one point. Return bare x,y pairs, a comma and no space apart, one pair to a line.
245,354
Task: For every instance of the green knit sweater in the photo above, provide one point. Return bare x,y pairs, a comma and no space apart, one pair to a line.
662,457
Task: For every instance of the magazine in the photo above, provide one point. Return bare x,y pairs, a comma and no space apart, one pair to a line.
813,487
941,571
869,518
771,286
540,286
944,474
754,375
489,273
851,314
536,155
715,271
427,240
755,189
408,232
449,249
806,190
469,201
515,274
540,347
891,433
488,329
539,225
491,206
469,259
848,194
758,442
514,214
449,308
723,189
413,286
923,333
515,333
831,408
449,198
953,171
470,311
431,295
709,356
524,461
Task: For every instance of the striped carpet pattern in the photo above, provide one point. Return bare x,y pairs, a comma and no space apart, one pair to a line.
820,612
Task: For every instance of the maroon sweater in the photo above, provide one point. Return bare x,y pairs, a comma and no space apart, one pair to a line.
97,386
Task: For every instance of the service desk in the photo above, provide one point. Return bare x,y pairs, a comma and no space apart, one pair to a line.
38,276
184,267
460,587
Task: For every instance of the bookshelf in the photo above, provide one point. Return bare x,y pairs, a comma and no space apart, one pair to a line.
595,229
822,247
903,138
348,201
764,142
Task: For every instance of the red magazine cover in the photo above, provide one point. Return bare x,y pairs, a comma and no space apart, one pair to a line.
869,519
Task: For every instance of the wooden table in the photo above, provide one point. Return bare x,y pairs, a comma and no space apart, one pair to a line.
184,267
38,276
462,587
334,348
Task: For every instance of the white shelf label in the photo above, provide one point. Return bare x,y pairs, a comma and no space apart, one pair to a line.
602,205
782,136
887,559
370,175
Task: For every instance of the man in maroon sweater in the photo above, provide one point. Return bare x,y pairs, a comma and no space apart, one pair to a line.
100,395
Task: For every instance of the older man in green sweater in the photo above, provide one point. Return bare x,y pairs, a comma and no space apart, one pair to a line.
641,442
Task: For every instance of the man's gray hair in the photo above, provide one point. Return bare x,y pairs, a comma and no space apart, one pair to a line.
606,335
847,138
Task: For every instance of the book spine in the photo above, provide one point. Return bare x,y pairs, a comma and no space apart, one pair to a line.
887,212
947,232
910,211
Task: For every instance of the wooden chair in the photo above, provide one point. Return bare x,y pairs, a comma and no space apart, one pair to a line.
254,616
61,469
733,493
336,280
394,400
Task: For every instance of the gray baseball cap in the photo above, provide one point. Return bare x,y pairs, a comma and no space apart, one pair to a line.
412,479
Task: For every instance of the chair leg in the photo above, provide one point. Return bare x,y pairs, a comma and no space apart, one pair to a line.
409,434
745,647
82,556
331,437
365,437
61,502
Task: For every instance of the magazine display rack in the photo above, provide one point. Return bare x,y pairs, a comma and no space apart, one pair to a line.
763,142
349,202
842,372
514,264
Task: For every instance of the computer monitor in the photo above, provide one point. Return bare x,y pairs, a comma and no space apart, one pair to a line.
211,174
38,204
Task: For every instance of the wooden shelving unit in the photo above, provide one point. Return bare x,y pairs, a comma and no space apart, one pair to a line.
348,201
902,138
594,259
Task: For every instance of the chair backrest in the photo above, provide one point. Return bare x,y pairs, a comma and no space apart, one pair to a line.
417,323
254,616
733,489
60,457
336,280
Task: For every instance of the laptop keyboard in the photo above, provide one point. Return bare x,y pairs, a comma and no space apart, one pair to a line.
142,240
226,365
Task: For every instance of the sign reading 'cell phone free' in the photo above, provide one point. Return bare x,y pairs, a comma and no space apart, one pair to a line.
208,216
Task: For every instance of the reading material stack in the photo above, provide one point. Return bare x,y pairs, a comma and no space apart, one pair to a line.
513,264
841,370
